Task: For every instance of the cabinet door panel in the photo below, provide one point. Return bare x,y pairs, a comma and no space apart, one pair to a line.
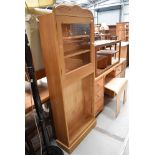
75,49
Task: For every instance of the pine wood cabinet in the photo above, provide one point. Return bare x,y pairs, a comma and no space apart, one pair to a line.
118,70
67,37
112,30
122,31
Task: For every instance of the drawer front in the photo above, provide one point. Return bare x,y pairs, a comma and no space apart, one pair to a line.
98,106
110,76
118,76
99,95
118,69
124,65
99,85
122,74
120,27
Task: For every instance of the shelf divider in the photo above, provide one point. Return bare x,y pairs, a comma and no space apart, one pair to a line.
73,53
76,37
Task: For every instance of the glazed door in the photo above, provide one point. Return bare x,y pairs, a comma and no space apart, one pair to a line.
75,36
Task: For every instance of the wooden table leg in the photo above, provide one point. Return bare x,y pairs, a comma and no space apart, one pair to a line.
125,95
117,104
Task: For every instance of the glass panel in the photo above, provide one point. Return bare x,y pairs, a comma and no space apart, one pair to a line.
75,29
76,45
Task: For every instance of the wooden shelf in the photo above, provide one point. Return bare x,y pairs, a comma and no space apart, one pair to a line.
69,41
76,40
76,37
74,53
106,52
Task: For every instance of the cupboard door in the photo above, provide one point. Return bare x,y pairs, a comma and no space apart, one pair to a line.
74,36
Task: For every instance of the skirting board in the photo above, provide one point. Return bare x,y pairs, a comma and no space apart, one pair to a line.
69,149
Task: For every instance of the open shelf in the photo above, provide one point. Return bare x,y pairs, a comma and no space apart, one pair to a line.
74,53
76,61
100,71
76,37
76,40
78,106
107,52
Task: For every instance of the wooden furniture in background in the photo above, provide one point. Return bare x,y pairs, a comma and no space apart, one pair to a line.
103,32
124,51
44,95
105,63
67,36
116,87
106,48
122,31
112,30
97,35
117,70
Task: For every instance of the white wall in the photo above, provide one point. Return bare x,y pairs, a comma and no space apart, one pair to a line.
111,2
94,14
125,13
109,17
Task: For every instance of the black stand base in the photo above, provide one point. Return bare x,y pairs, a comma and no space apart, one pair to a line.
54,150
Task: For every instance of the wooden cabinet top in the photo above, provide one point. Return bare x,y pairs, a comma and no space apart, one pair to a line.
72,10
